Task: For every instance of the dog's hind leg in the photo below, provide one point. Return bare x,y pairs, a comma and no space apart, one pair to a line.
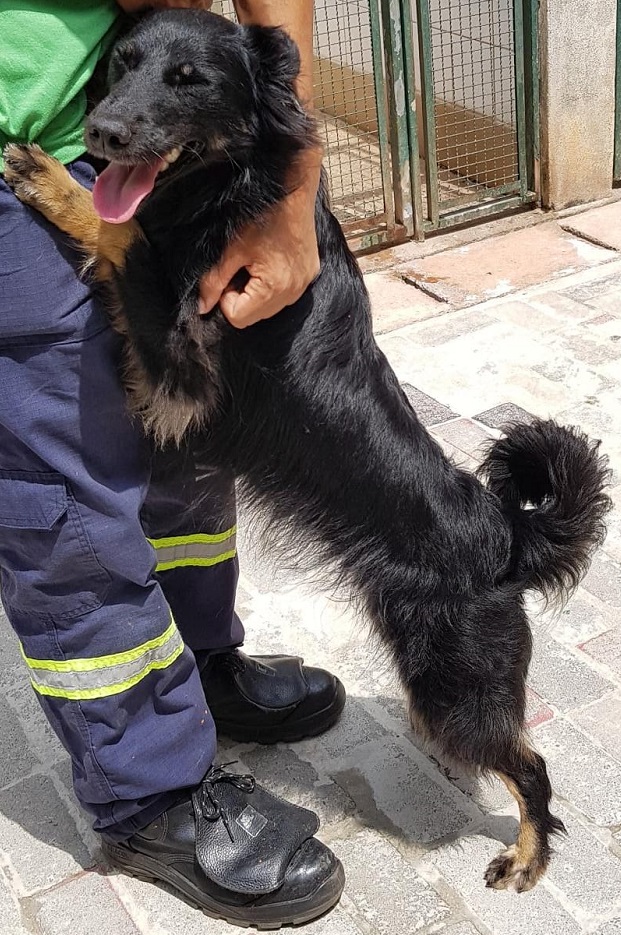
522,864
470,703
43,183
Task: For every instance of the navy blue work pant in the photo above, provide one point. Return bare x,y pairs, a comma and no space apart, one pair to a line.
109,577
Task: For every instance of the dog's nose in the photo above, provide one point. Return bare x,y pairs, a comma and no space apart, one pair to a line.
111,133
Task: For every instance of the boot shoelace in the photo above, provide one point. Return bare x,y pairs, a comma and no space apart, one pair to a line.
210,804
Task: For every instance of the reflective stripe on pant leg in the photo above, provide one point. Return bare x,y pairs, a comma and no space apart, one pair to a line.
87,678
189,517
198,550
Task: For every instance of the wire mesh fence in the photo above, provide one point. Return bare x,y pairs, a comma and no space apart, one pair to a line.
474,97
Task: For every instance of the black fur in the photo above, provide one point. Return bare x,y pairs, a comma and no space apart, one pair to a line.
308,414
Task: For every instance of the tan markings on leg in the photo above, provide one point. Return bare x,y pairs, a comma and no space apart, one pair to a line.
417,723
43,183
520,866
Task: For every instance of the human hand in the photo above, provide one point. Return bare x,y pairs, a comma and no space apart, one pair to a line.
279,254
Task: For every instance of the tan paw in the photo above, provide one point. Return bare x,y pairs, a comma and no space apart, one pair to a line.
509,871
29,171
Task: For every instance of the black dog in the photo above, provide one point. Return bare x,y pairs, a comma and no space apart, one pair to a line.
305,409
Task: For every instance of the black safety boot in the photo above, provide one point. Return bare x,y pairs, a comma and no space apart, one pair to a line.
238,853
268,699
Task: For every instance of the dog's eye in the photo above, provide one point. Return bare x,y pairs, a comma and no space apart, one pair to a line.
182,74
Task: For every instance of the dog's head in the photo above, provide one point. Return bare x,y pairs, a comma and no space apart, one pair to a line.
189,86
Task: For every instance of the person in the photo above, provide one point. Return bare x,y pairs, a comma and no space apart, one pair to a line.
120,590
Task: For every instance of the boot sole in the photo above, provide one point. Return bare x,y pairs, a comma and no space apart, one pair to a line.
264,918
312,726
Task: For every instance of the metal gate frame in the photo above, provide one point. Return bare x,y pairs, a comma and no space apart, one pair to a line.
616,167
410,215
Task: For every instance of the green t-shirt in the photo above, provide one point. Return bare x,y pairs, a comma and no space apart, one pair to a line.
48,53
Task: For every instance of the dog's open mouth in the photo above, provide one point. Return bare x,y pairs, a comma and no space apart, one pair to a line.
120,188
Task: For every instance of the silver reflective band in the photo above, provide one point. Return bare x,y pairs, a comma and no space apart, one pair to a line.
100,676
201,549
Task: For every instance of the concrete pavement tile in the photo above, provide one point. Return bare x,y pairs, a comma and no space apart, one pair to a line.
562,678
606,649
563,304
428,410
459,458
462,928
581,620
524,315
580,771
385,779
600,225
604,580
39,835
594,417
385,888
597,286
42,739
608,303
86,906
449,327
610,928
465,435
395,303
355,728
537,711
9,911
157,910
602,721
583,868
499,416
282,772
588,346
505,913
12,670
481,271
17,758
477,371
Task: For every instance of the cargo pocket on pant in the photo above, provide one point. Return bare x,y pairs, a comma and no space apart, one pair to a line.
47,562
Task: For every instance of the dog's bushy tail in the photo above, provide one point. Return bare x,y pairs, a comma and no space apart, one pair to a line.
552,481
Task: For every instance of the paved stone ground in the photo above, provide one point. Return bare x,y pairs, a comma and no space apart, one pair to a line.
525,323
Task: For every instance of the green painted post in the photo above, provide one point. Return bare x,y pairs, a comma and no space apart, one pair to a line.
397,104
426,67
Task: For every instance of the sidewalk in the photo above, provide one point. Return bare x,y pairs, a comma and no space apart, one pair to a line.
523,323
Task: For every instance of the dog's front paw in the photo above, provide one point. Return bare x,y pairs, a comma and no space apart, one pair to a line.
509,871
29,171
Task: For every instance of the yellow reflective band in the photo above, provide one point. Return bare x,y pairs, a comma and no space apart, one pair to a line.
201,549
89,694
198,561
199,537
100,676
101,662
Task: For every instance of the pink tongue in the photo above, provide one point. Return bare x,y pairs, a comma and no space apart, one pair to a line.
119,189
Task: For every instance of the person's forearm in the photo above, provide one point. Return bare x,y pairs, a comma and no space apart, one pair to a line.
296,18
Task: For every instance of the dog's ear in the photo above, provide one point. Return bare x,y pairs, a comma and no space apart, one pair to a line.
274,63
274,56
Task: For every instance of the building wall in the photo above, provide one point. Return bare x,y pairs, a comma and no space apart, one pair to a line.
578,56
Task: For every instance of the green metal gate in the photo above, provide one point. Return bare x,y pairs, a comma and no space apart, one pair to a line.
428,109
479,87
